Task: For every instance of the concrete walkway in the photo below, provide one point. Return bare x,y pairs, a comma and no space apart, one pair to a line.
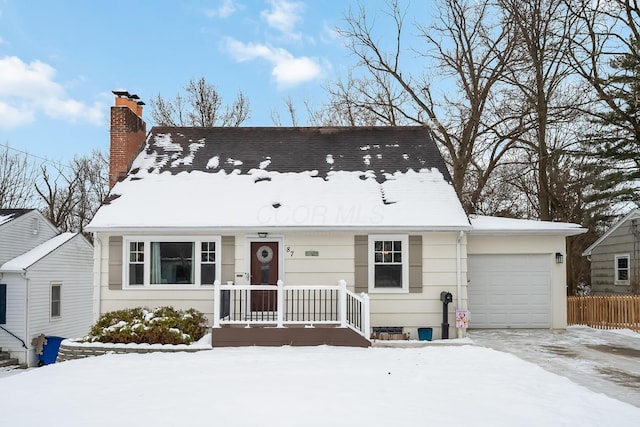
603,361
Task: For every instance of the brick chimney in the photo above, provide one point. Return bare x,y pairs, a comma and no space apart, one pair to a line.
128,133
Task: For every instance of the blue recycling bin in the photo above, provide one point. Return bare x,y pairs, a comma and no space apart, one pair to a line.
50,350
425,334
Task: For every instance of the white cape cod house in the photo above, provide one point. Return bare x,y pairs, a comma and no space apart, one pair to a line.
306,231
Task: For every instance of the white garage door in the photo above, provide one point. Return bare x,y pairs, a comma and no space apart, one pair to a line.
509,291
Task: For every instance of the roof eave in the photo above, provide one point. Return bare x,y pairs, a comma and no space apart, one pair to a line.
614,227
528,232
272,229
12,270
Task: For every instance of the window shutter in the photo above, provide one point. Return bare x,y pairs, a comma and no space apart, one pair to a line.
3,304
115,262
361,267
227,259
415,264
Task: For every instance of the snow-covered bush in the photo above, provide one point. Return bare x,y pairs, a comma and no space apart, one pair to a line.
583,288
163,325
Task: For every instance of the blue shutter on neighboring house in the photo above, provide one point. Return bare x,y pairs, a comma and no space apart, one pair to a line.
3,304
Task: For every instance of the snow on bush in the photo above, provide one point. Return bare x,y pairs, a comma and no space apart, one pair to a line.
162,325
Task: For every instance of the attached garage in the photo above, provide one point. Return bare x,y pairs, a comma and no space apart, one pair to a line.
516,274
510,291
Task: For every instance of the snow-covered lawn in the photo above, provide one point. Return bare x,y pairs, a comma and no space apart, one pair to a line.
305,386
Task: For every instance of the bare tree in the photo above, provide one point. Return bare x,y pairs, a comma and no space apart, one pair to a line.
200,106
606,54
92,187
17,175
471,50
539,72
57,192
72,195
373,100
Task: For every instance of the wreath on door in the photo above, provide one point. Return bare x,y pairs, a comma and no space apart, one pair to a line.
264,254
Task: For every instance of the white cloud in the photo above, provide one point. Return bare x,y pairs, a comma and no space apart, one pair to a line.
2,41
226,9
287,69
284,15
329,34
30,88
11,117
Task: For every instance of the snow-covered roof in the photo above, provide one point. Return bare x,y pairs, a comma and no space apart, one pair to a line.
24,261
498,225
7,215
5,218
633,214
381,149
373,178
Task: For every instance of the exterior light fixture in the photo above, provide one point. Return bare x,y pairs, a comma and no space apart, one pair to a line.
559,258
262,235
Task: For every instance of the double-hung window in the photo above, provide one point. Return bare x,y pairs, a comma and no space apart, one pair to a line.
136,263
171,260
56,300
621,269
388,264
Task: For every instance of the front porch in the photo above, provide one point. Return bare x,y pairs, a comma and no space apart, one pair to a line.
275,315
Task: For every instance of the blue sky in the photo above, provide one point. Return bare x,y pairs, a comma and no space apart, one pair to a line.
60,60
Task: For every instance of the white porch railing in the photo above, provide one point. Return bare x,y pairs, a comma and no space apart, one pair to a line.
283,305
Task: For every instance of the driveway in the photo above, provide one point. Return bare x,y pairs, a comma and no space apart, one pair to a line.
603,361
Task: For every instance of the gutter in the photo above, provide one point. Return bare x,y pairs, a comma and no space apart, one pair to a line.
528,232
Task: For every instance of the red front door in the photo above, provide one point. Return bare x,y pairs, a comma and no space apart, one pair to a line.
264,271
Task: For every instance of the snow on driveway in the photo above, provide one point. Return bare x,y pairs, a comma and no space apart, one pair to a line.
603,361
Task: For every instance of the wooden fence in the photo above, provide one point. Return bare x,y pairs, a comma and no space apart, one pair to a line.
605,311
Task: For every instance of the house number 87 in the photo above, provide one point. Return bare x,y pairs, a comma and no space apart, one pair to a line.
289,250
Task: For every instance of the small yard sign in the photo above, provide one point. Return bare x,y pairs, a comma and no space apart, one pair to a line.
462,318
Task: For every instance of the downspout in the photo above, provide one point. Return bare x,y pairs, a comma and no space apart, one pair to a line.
27,323
459,276
97,276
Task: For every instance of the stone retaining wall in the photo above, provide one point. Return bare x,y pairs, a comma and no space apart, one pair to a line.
70,350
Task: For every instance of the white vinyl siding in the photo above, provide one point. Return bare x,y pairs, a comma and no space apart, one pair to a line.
23,234
75,294
72,266
16,317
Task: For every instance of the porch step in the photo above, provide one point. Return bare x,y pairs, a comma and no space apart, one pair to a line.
233,336
7,363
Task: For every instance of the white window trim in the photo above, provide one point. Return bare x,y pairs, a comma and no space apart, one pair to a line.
404,238
197,240
615,269
51,286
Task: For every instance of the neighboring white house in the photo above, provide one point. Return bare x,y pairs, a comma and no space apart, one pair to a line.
372,206
615,257
45,282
